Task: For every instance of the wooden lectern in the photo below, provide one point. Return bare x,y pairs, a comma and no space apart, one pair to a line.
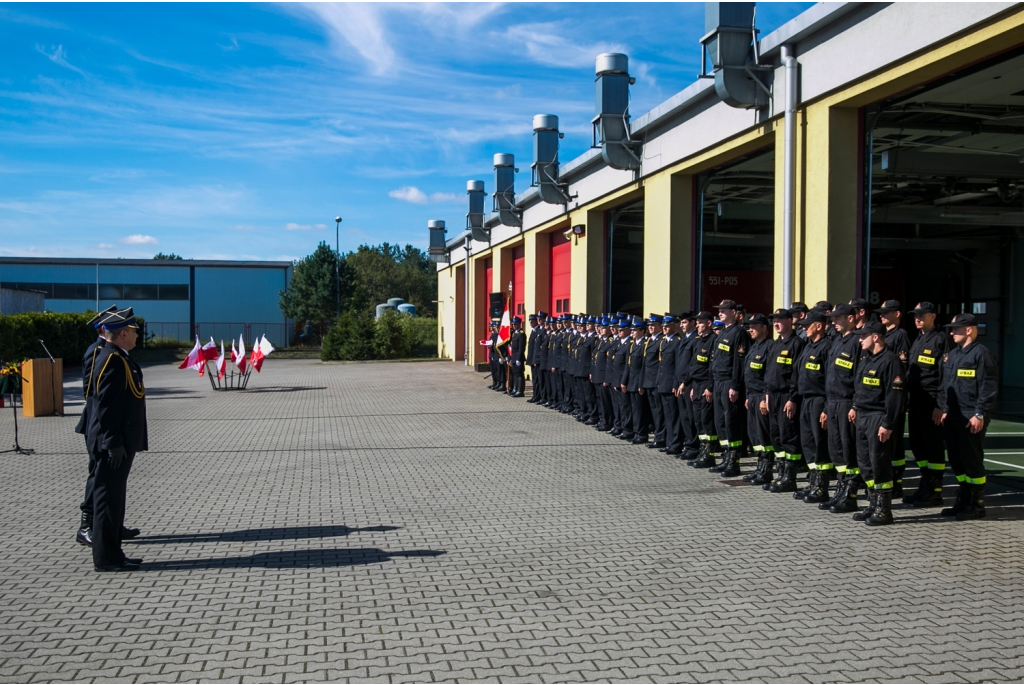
42,393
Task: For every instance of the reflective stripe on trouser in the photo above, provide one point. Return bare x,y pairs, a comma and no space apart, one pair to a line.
758,428
842,438
873,455
966,449
728,416
704,416
926,439
785,432
813,438
670,415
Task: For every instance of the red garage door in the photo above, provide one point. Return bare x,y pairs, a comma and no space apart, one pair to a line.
519,281
561,274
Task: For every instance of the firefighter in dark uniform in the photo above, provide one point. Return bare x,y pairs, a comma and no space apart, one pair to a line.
969,387
877,404
684,359
620,376
699,387
541,359
811,369
492,358
729,389
639,406
666,385
839,387
758,429
598,366
572,366
116,432
783,412
585,353
924,418
652,355
610,383
799,311
531,356
517,358
897,340
551,360
860,310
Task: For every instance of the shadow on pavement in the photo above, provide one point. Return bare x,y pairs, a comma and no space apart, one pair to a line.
304,558
285,388
260,534
1000,505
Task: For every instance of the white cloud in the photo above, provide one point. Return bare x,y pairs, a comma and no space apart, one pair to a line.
58,56
359,25
409,194
105,246
304,227
139,239
443,197
548,43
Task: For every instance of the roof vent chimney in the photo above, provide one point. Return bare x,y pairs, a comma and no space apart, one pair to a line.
731,41
436,252
611,125
505,190
545,161
475,218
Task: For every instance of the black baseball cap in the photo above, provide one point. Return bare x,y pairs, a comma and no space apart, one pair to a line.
823,306
704,315
814,316
871,328
963,319
924,307
797,307
859,303
758,319
842,309
726,304
888,307
782,313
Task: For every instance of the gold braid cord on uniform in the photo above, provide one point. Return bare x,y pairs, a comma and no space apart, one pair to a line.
129,382
92,369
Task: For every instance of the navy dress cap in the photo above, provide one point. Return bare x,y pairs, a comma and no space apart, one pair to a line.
122,318
95,321
668,318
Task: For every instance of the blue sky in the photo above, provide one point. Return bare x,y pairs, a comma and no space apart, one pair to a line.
231,131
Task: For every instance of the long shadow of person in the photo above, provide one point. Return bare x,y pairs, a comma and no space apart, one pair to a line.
259,534
298,558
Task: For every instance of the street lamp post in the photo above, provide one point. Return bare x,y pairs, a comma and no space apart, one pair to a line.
337,259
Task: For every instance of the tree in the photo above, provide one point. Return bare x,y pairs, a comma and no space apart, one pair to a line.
312,294
386,271
171,256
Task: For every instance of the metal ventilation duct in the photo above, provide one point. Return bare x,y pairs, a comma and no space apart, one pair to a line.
436,251
731,41
611,125
545,161
505,190
475,217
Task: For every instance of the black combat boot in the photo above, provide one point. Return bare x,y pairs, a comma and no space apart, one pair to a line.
838,496
722,465
897,481
731,467
933,496
758,470
872,505
767,478
963,498
812,483
694,458
787,482
820,491
882,515
84,534
923,487
848,501
975,504
707,459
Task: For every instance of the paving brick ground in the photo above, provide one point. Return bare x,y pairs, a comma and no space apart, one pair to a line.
399,522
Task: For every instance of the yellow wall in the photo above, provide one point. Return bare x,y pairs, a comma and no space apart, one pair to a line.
587,292
447,331
668,241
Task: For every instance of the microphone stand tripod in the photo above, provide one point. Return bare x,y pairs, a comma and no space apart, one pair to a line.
17,449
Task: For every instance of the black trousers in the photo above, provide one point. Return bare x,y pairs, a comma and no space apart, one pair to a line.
567,388
86,505
704,414
626,412
728,416
813,437
758,430
842,437
966,449
785,432
873,455
641,414
517,374
491,362
604,404
926,439
616,397
670,415
590,403
654,402
686,420
109,495
899,453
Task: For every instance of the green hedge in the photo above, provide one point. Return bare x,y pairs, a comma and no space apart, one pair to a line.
393,336
65,335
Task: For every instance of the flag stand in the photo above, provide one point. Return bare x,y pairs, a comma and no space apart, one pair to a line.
232,380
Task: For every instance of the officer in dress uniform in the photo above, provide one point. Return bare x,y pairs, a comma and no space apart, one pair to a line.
897,340
649,386
969,387
84,534
531,357
116,432
758,429
517,358
783,412
924,385
639,406
541,373
811,370
701,398
729,389
620,376
877,404
684,361
599,374
565,357
839,388
666,385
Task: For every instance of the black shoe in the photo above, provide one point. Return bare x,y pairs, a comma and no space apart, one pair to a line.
133,560
882,515
846,500
672,453
628,437
129,533
872,506
758,470
638,440
116,568
963,497
975,505
615,432
932,499
84,536
731,466
656,445
591,422
820,492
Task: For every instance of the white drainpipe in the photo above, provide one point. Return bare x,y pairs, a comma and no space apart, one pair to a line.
789,175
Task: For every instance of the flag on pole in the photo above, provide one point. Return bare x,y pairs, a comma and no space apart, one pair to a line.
260,351
221,362
210,350
194,360
240,359
505,328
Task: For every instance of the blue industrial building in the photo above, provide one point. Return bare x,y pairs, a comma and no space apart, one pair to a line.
177,298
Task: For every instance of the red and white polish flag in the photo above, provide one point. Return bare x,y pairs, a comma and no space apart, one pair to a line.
221,362
240,359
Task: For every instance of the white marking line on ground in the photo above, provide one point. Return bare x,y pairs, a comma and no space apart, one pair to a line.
1003,463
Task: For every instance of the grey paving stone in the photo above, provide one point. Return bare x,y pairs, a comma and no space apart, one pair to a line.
399,522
